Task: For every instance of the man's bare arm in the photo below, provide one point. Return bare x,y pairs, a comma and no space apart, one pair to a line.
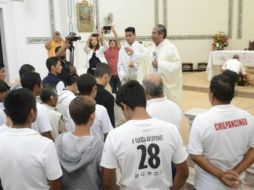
207,166
182,173
63,48
109,179
56,184
227,178
47,134
246,162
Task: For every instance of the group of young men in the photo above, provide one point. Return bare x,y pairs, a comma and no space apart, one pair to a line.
147,149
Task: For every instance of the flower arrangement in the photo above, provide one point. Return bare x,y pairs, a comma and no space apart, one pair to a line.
220,40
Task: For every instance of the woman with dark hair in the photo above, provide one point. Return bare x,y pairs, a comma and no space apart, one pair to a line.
95,48
112,57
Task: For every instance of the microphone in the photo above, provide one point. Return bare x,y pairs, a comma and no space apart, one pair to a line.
155,56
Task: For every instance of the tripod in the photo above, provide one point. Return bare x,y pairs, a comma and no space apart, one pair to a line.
71,48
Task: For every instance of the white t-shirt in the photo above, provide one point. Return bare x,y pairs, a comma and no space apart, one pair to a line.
143,150
41,123
2,128
64,99
235,66
102,124
3,117
60,87
55,119
165,110
28,160
222,135
2,106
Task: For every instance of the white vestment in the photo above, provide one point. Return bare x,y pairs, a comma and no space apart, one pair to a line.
169,68
125,72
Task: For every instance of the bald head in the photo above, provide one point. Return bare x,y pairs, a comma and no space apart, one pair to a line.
153,85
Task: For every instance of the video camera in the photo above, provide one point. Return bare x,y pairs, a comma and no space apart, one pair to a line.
106,29
72,37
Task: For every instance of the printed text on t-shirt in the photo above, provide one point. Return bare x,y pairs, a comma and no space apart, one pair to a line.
139,140
230,124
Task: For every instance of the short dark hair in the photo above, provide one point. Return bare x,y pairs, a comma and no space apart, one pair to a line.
112,40
18,103
132,94
1,66
222,88
51,61
4,87
71,79
81,108
85,84
47,92
26,68
30,79
102,69
162,30
154,89
130,29
232,75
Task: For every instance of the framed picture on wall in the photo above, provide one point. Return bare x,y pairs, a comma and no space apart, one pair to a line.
85,18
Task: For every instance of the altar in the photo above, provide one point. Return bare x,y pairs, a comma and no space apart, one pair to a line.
218,58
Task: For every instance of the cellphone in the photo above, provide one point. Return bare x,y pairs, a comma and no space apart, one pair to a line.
106,28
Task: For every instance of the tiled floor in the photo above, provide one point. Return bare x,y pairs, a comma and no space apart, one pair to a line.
193,82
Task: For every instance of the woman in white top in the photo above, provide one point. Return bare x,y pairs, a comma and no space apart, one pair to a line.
95,48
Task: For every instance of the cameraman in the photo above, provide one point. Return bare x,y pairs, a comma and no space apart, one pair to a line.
52,44
67,67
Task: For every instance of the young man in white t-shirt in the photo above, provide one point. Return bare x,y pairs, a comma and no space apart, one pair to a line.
233,68
32,82
221,141
143,148
64,99
28,160
158,105
87,86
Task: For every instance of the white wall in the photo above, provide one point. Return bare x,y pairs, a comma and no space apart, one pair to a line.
22,19
184,18
36,24
213,19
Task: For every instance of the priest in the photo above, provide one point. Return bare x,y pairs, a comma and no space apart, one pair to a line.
163,57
